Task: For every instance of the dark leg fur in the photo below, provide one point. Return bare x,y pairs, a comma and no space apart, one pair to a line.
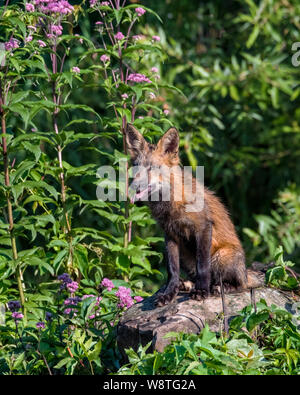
172,288
203,265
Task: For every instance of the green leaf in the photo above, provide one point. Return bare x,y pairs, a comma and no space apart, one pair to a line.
256,319
253,36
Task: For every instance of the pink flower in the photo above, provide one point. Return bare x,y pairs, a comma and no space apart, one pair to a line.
156,38
72,301
140,11
33,28
136,77
28,39
72,287
104,58
17,316
137,37
99,23
166,112
11,44
29,7
56,30
93,3
76,70
40,325
104,3
152,95
124,96
41,43
107,283
62,7
119,36
69,311
138,298
154,70
125,300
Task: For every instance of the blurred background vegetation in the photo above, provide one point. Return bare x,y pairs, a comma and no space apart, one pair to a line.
239,116
237,109
226,74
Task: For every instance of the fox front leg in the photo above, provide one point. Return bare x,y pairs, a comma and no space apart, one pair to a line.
203,264
171,290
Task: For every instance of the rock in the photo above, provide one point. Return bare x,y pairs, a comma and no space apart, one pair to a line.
144,322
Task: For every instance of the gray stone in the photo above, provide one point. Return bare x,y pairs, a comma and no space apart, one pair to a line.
144,322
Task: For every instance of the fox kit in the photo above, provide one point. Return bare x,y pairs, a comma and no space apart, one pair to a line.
202,242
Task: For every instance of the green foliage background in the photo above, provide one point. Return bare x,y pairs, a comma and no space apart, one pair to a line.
229,86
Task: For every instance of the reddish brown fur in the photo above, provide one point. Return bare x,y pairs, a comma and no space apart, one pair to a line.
188,232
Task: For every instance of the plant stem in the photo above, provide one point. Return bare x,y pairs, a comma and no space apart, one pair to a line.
9,204
56,100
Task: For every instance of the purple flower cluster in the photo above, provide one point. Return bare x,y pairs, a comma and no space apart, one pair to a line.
72,286
107,284
17,316
55,31
67,283
29,7
40,325
70,310
140,11
65,279
62,7
119,36
41,43
14,306
76,70
93,3
125,299
104,58
136,77
11,44
72,301
156,38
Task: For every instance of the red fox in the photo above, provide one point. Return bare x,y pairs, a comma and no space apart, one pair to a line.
203,243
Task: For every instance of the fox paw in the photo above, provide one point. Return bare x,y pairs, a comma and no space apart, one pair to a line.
199,294
166,298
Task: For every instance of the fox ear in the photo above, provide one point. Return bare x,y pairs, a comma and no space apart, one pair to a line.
169,143
135,141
